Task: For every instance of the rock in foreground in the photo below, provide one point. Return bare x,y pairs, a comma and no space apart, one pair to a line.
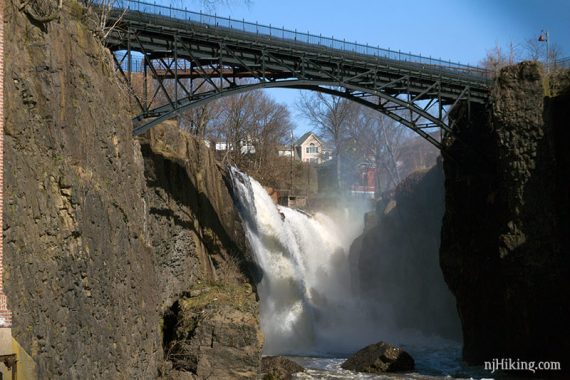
378,358
279,368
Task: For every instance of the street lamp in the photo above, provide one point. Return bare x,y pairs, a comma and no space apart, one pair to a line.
545,38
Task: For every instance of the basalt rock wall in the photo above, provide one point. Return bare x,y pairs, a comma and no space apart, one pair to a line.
505,236
210,311
80,278
108,250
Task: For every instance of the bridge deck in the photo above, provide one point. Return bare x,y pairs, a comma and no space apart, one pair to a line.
156,26
178,44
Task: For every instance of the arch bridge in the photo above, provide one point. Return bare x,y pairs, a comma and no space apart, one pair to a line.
185,59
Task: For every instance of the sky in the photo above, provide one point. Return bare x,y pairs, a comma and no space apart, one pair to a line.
458,30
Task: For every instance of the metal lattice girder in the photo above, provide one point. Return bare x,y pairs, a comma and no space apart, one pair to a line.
205,62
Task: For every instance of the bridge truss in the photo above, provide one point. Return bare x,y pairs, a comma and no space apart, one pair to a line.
184,60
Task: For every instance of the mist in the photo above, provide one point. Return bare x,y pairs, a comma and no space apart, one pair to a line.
328,289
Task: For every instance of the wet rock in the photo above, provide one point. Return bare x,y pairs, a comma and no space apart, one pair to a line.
193,227
181,375
279,368
211,329
378,358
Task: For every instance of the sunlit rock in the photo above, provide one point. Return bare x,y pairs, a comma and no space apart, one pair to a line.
378,358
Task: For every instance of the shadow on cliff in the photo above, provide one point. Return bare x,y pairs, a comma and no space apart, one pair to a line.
217,228
395,264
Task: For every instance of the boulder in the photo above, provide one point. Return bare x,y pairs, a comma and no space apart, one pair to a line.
378,358
279,368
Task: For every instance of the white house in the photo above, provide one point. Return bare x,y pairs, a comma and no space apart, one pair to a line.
310,148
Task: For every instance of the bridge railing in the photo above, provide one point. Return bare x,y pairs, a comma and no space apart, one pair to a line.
291,35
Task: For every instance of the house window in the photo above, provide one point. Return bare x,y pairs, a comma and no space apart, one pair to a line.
312,148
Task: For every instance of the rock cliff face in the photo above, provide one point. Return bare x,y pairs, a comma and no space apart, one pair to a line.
80,278
97,255
504,250
190,210
396,261
210,320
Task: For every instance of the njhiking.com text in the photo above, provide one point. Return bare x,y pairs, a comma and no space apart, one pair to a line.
520,365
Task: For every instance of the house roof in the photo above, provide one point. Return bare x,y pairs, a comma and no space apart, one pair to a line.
304,138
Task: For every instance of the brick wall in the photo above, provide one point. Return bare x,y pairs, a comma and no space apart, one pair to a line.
5,315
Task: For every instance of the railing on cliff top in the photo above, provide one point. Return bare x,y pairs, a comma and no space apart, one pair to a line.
291,35
563,63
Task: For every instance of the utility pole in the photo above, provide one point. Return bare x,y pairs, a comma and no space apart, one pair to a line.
292,157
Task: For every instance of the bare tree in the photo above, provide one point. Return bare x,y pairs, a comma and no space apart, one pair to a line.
270,130
380,139
236,122
198,120
331,116
498,57
251,126
554,54
103,10
534,49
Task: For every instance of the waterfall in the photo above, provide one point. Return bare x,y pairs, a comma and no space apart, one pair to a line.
307,304
305,283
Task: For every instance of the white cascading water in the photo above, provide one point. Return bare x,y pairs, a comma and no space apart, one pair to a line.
305,289
308,306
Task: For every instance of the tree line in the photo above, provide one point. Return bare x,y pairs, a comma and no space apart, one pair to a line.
249,130
535,48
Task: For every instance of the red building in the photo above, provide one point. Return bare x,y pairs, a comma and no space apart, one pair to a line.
366,186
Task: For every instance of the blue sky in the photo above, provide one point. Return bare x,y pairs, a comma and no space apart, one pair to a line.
459,30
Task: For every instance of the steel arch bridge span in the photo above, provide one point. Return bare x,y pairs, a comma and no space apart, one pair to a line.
419,118
183,59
